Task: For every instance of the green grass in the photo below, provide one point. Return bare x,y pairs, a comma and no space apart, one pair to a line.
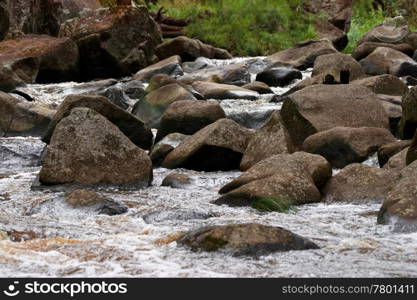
269,204
245,27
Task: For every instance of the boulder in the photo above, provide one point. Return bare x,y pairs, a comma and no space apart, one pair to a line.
408,124
278,182
410,80
37,58
259,87
177,181
398,161
302,55
412,151
170,66
266,142
113,42
338,12
189,49
394,31
342,145
279,76
23,118
161,149
217,147
245,239
326,30
233,74
87,149
151,108
188,117
127,123
387,151
358,183
44,16
159,80
366,48
384,84
322,107
389,61
342,67
4,21
400,206
211,90
89,198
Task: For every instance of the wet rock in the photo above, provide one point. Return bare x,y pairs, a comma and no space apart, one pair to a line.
342,145
88,198
245,239
322,107
412,151
408,124
161,149
198,64
113,42
410,80
358,183
176,215
4,21
135,90
366,48
259,87
281,180
37,58
152,107
384,84
159,80
279,76
23,118
266,142
233,74
116,95
177,181
400,206
87,149
302,55
18,153
389,61
387,151
127,123
342,67
189,49
254,118
211,90
188,117
170,66
44,16
398,161
217,147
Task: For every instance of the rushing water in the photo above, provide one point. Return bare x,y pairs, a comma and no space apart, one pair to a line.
79,242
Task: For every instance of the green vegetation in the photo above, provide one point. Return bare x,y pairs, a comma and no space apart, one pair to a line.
269,204
245,27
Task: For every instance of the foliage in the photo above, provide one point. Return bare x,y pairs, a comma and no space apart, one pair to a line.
269,204
245,27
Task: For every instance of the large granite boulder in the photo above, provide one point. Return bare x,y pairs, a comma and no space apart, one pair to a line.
322,107
113,42
384,84
39,58
87,149
408,123
188,117
127,123
216,147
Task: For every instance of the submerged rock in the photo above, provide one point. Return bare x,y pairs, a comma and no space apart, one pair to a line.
245,239
217,147
87,149
176,215
88,198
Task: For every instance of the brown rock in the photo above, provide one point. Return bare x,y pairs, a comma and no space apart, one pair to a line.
384,84
87,149
387,151
217,147
408,124
366,48
170,66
